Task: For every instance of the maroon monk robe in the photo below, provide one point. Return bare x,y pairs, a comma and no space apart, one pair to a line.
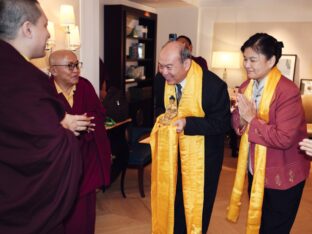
95,149
40,162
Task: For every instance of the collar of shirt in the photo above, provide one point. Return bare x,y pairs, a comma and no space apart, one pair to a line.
258,90
70,96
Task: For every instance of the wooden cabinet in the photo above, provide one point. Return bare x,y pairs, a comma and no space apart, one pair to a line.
130,53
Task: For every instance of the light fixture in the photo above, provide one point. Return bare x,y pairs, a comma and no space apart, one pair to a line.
51,41
67,15
74,40
67,20
225,60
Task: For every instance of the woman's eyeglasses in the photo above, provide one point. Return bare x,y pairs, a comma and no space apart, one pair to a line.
71,66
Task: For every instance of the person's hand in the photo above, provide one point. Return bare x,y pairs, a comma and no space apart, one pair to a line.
180,124
306,145
246,108
242,128
78,123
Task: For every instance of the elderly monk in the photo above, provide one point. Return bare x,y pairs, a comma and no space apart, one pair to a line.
40,162
78,97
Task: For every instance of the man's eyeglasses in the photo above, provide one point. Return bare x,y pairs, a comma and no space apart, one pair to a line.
71,66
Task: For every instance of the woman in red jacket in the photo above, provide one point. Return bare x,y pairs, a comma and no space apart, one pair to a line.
270,118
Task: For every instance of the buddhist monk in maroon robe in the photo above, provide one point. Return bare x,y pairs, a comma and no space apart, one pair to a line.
40,160
79,97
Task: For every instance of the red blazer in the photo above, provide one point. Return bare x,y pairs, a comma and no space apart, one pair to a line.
286,165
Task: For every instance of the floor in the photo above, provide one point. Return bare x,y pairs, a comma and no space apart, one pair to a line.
132,215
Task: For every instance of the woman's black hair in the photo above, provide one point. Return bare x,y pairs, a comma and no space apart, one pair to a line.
265,44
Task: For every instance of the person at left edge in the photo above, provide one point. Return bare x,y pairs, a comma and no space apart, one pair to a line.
78,96
40,162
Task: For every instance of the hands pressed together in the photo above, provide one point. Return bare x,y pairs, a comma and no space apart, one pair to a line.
78,123
247,109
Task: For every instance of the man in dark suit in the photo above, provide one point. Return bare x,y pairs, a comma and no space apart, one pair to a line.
188,162
40,161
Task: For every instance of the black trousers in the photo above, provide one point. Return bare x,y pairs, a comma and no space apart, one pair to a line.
212,171
279,208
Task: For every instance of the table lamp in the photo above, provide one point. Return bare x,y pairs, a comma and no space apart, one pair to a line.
225,60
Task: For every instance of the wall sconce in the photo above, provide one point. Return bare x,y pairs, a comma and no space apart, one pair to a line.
74,40
225,60
51,41
67,20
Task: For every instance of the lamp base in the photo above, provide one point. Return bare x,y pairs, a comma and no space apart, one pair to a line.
224,76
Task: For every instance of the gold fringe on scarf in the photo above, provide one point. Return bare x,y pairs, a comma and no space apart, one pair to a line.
165,143
257,190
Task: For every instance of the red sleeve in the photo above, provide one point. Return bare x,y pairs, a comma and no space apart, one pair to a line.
286,115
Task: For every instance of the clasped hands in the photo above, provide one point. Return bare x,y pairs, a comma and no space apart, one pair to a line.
247,110
78,123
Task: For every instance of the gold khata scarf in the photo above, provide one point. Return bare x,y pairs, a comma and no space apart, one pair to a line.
165,142
257,190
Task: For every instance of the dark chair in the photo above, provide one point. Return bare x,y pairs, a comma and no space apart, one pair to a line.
139,156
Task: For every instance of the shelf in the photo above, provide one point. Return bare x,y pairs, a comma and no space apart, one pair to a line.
118,45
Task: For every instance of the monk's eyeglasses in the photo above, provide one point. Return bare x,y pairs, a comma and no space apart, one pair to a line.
71,66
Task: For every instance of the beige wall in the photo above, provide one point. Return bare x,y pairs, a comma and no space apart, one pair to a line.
227,27
180,20
296,37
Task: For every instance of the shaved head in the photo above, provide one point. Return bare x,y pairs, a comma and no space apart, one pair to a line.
60,56
64,66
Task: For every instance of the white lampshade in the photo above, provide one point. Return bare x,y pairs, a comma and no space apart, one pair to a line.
67,16
51,31
74,40
223,59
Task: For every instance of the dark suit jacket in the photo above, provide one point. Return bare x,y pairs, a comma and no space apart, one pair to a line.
40,162
214,124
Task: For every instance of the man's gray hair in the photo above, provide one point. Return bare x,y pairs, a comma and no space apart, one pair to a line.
13,13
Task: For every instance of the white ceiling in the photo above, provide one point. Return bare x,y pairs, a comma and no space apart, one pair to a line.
221,3
162,3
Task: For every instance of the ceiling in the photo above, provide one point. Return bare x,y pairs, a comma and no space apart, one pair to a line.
221,3
162,3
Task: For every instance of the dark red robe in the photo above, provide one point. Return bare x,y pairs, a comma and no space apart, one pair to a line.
40,162
95,149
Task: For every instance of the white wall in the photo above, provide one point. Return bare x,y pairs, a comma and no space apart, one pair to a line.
181,20
89,51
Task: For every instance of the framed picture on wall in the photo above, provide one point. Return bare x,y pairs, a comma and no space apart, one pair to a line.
306,86
287,65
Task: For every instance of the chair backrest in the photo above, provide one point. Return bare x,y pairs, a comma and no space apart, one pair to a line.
136,133
307,106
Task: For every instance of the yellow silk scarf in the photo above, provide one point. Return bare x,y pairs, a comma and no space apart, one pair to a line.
257,190
165,143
